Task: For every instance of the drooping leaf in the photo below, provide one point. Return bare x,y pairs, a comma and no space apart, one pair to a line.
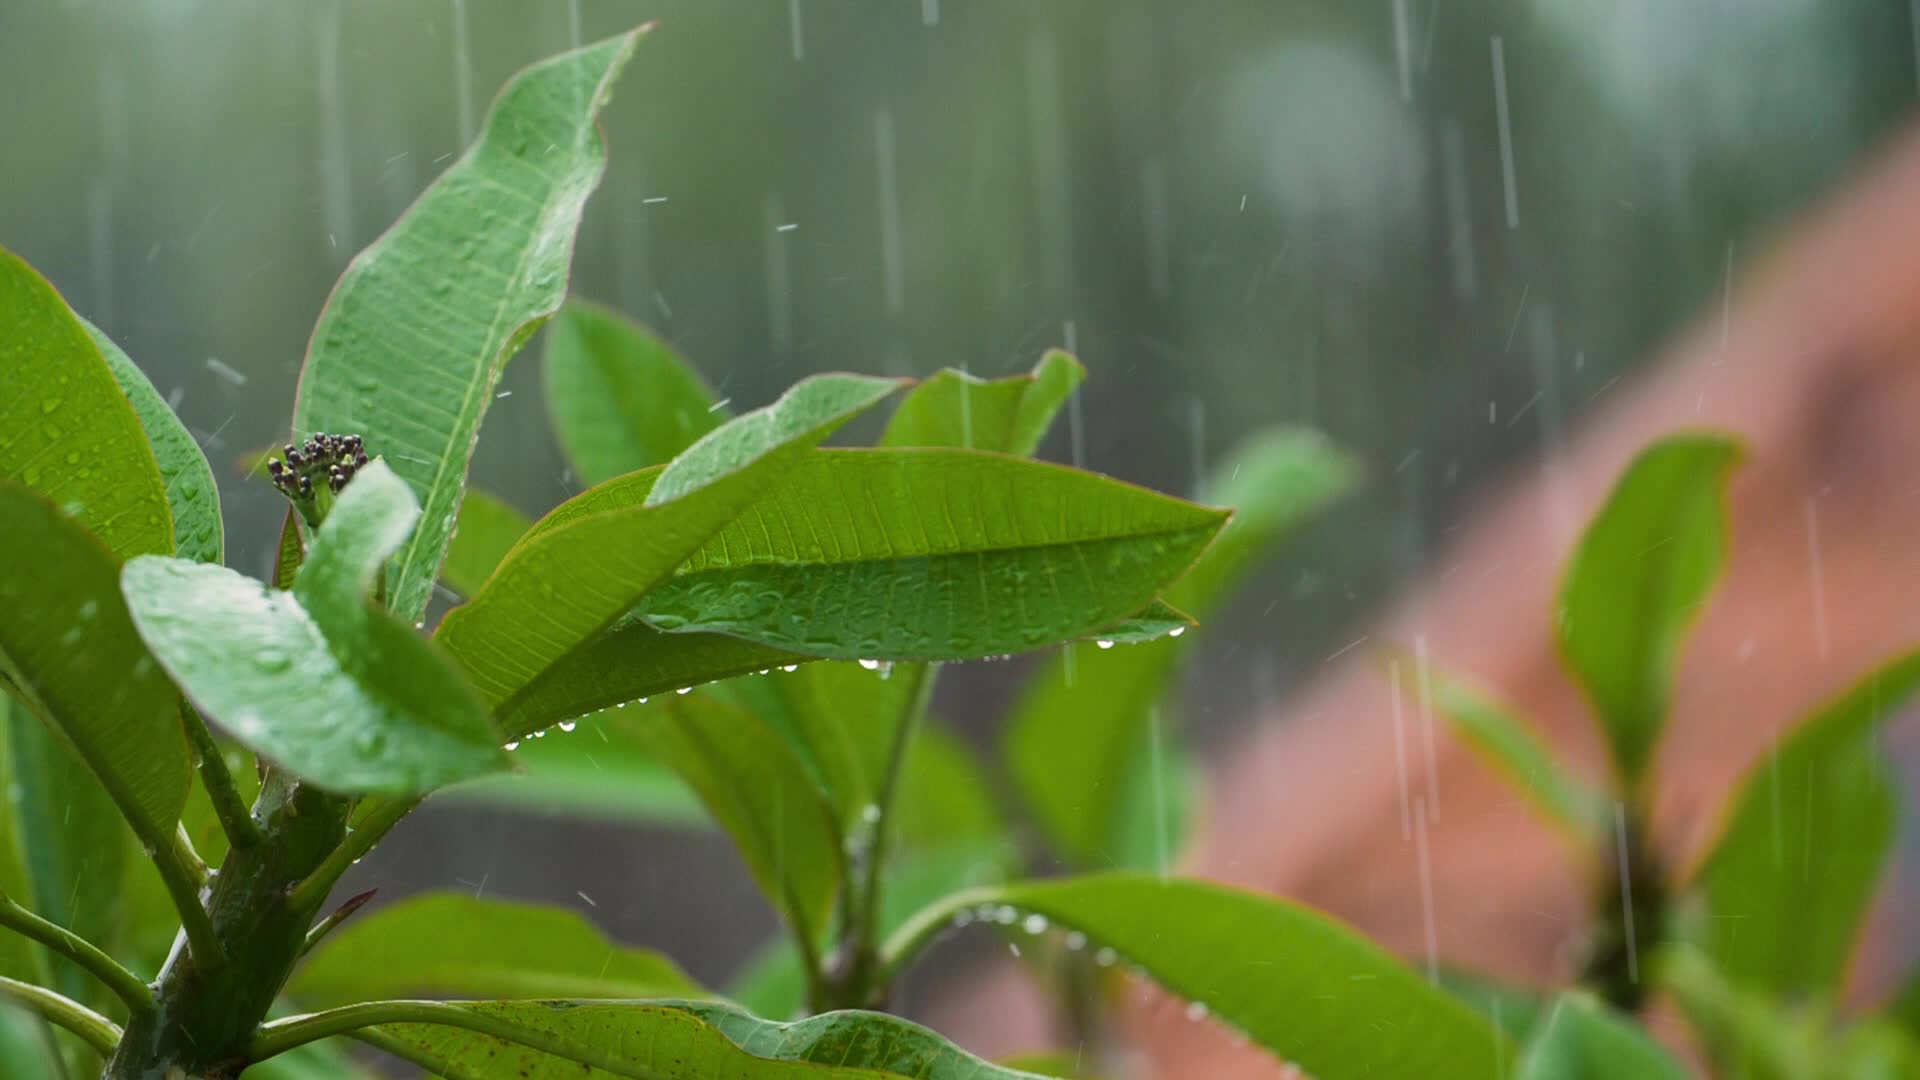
586,564
69,433
318,679
621,398
758,791
192,495
1505,742
1806,840
1581,1039
932,555
487,530
549,1040
1636,582
1008,416
1070,733
1310,989
71,652
412,341
454,945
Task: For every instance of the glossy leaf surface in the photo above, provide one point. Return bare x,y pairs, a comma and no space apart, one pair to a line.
621,398
1008,416
192,495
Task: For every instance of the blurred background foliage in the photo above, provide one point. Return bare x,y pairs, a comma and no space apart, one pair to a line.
1236,212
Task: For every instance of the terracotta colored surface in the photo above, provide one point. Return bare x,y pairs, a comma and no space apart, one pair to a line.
1817,364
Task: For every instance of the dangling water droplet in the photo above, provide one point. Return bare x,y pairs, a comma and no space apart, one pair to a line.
512,746
791,668
541,734
1034,924
1005,915
1076,941
1105,957
1176,631
1197,1011
569,725
684,690
1104,643
642,701
870,665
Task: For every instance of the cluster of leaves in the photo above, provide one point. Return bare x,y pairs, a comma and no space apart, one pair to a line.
709,548
1753,942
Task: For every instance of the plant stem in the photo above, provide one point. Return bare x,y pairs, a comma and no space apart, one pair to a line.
340,914
125,984
176,864
280,1036
99,1032
379,820
861,987
235,820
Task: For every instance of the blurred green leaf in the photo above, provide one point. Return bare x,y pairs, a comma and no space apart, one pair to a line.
72,654
412,341
1157,620
1295,981
192,495
452,945
1639,576
595,771
25,1046
772,983
1160,790
1008,416
1506,742
758,791
945,797
586,564
1071,733
318,679
20,957
1807,837
488,529
1744,1033
546,1040
932,555
1514,1011
1581,1039
72,437
621,398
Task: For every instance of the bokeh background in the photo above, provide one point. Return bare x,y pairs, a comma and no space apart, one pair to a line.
1440,230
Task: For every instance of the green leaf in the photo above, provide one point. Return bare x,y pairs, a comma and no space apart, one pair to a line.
596,772
290,552
586,564
1008,416
192,495
758,791
69,648
932,555
412,341
1505,741
1514,1011
945,797
840,719
488,529
1070,737
453,945
621,398
548,1040
25,1046
71,436
1158,795
1639,576
318,679
1291,979
1807,838
1157,620
1584,1040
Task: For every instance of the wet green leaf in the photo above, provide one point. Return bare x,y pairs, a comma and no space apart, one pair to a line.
932,555
594,771
192,495
1637,580
621,398
1806,841
549,1040
1295,981
318,679
1071,733
70,650
71,436
586,564
1581,1039
1008,416
412,341
488,529
453,945
1507,743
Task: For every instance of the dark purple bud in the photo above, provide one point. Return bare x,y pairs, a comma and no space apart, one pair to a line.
274,468
359,461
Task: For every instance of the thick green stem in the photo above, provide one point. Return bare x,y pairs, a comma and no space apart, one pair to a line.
235,821
125,985
204,1018
182,872
99,1032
